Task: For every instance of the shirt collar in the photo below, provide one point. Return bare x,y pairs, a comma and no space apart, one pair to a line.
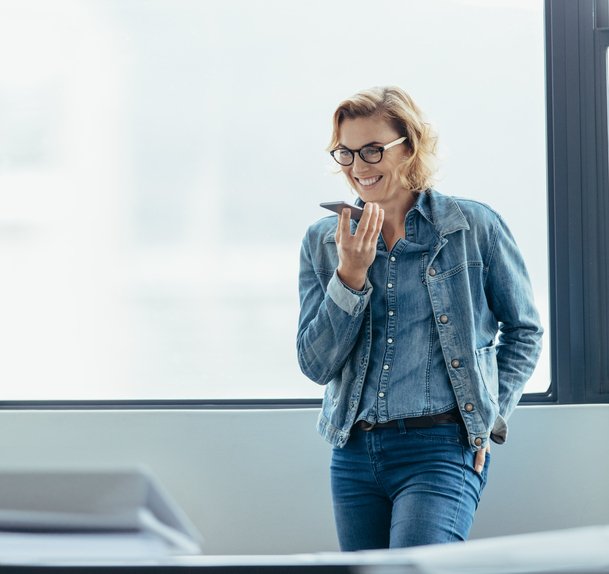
442,211
422,205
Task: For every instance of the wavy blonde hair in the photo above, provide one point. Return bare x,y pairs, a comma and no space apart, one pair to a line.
398,108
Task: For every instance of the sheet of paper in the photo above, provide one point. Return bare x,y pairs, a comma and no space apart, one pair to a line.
49,548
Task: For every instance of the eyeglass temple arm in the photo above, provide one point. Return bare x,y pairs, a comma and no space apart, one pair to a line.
396,142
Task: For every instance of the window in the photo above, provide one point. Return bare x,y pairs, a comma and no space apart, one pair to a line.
579,207
160,162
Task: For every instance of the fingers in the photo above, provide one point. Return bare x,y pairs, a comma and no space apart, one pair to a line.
356,252
379,224
364,222
371,223
479,462
368,228
481,458
343,229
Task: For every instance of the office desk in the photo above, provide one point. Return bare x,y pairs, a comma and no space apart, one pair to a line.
574,551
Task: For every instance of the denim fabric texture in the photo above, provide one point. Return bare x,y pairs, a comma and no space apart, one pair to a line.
480,296
398,487
401,383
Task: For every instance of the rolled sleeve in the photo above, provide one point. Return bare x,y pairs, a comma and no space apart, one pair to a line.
331,316
349,300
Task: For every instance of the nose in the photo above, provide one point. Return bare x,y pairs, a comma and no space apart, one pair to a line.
359,165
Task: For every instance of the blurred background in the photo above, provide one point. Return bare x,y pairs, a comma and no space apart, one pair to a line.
160,161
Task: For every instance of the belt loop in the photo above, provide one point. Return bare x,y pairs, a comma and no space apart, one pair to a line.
402,426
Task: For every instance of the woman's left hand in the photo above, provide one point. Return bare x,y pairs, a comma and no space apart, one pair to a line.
480,458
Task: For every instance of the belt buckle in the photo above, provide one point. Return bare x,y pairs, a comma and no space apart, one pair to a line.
366,426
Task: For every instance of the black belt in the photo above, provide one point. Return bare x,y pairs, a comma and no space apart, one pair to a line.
413,422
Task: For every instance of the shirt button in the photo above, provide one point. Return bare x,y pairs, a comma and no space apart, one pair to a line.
381,395
390,313
478,441
444,319
455,363
390,285
392,258
390,340
432,271
385,367
469,407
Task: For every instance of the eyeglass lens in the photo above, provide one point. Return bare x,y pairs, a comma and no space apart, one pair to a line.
368,154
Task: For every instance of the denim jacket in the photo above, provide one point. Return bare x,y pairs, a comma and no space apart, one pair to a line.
480,295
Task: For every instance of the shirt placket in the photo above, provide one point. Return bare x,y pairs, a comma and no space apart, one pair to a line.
390,333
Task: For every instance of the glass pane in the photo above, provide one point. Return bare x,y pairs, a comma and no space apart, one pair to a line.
602,14
160,162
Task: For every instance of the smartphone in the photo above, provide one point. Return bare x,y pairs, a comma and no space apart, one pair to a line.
338,206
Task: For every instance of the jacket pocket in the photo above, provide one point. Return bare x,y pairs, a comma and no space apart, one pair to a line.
486,359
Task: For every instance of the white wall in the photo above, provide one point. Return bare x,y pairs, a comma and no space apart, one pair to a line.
256,482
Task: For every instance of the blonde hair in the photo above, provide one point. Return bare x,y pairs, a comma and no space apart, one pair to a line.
398,108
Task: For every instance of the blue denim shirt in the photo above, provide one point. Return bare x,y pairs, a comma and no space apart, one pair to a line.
399,382
480,295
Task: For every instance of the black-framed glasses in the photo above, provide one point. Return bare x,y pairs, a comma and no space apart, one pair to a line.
369,153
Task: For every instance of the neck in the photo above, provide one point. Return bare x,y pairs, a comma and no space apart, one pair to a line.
393,222
396,213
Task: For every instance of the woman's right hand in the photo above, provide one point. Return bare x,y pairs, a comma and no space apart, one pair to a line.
357,252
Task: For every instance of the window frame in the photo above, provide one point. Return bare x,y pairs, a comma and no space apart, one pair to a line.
576,92
576,42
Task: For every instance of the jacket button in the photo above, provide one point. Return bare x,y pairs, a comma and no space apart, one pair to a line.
469,407
444,319
432,271
455,363
478,441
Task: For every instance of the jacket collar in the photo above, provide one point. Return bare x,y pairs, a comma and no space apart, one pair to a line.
442,211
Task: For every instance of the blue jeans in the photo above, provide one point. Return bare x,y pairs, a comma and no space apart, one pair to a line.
398,487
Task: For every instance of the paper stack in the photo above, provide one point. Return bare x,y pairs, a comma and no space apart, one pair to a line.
90,516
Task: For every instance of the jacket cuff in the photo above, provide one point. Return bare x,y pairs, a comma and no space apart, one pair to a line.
500,430
350,301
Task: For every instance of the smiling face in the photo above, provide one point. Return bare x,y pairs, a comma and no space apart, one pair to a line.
374,182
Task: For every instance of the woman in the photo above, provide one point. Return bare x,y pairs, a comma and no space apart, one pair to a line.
420,321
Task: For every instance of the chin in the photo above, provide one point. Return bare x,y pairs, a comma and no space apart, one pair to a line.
374,196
